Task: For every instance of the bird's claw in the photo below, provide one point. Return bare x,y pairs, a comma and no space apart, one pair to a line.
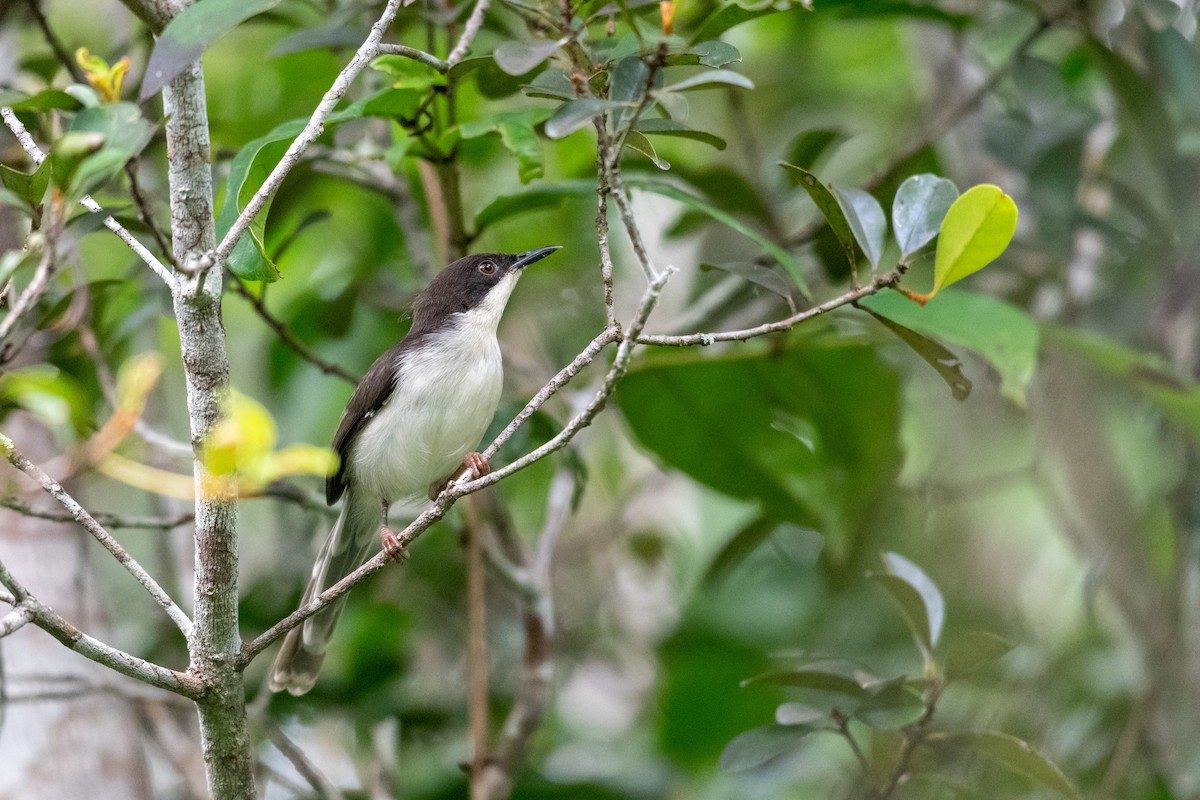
393,548
478,464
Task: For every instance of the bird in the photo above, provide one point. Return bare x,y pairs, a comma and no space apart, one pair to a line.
409,428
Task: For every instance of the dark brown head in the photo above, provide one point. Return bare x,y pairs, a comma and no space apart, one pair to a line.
481,283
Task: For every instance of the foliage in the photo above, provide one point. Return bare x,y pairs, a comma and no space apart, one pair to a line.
1035,462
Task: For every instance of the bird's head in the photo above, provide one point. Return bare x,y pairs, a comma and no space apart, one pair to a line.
478,284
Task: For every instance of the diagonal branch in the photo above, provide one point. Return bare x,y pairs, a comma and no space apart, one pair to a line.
89,647
315,127
80,515
36,154
470,31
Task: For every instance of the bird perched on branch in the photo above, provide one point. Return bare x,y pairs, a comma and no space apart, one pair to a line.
411,426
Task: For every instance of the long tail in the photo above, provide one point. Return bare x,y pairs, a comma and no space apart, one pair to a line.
353,537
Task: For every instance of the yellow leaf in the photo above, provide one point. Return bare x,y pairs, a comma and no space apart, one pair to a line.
976,230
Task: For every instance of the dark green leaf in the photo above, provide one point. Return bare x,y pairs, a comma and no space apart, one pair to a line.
973,651
1015,755
830,208
407,73
125,133
917,212
669,127
550,84
778,253
545,195
516,130
69,151
757,746
1003,335
708,54
189,33
823,677
29,188
707,80
519,57
625,87
46,100
336,36
929,613
867,222
803,544
948,365
729,16
575,114
808,147
766,277
890,705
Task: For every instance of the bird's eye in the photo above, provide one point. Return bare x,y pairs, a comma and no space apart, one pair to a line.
487,268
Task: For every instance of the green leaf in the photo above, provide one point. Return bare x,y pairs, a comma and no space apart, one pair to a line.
575,114
867,222
625,88
830,208
249,168
669,127
708,54
799,714
973,651
890,705
393,104
68,153
947,365
833,677
30,188
125,133
1002,334
516,130
189,33
550,84
815,439
46,100
768,278
706,80
408,73
546,195
757,746
731,15
917,596
809,146
519,57
778,253
920,206
803,545
976,230
1014,755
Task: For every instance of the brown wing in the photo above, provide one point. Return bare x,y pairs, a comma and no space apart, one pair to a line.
373,391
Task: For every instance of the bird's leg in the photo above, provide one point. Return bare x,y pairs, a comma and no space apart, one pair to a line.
475,462
392,546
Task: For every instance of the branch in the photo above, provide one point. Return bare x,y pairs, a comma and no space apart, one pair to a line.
314,128
324,788
130,665
285,335
107,520
885,281
16,619
474,23
80,515
35,153
28,298
427,59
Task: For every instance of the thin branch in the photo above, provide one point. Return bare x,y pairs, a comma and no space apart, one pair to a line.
107,520
314,128
602,192
80,515
470,31
477,656
843,728
94,649
36,154
427,59
56,45
47,265
286,336
16,619
884,281
143,207
320,784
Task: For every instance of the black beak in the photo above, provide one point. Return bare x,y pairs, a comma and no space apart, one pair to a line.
525,259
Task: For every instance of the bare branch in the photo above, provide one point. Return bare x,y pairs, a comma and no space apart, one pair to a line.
37,286
108,520
427,59
470,31
314,128
94,649
324,788
16,619
36,154
80,515
885,281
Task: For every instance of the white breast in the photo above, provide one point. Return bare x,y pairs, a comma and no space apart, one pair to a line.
445,397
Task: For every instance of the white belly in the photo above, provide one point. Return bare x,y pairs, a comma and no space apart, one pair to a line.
445,398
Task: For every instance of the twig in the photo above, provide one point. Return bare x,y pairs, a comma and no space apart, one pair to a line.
80,515
324,787
120,661
107,520
427,59
470,31
884,281
16,619
477,656
314,128
60,52
602,192
914,733
286,336
47,265
35,153
843,728
143,207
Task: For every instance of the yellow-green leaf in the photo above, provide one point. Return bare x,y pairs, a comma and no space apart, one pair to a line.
977,228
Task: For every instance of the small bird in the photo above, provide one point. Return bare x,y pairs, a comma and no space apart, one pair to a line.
410,427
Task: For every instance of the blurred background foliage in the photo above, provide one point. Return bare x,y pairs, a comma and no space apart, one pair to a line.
734,506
